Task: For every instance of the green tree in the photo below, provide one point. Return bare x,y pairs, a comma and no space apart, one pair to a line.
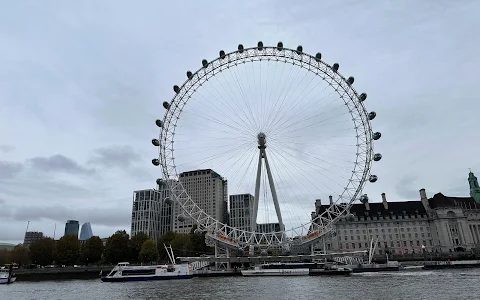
198,245
91,250
67,250
4,256
149,252
166,239
136,243
117,247
19,255
182,244
41,251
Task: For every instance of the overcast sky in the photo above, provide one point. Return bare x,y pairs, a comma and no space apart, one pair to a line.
82,82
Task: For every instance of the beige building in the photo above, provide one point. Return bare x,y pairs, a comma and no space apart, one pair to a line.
209,191
437,224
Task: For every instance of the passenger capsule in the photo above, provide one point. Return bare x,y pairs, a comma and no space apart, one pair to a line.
181,218
363,97
155,142
364,198
155,162
240,48
166,105
197,231
189,74
168,201
372,115
204,62
159,181
350,80
222,54
318,56
299,49
159,123
377,157
335,67
377,135
350,217
280,46
176,89
373,178
260,45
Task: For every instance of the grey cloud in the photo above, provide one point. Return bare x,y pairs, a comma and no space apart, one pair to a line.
7,148
115,156
9,169
407,187
97,216
57,163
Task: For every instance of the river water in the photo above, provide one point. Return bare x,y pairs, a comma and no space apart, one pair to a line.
442,284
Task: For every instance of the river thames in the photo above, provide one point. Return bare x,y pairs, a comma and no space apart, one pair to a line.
443,284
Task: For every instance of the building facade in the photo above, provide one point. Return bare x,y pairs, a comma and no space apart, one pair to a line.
437,224
86,231
240,208
32,236
150,214
72,227
209,191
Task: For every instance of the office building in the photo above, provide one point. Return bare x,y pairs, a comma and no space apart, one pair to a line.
150,213
32,236
71,228
86,231
209,191
240,208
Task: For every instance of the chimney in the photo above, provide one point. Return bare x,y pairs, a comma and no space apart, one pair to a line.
331,200
367,205
384,200
423,198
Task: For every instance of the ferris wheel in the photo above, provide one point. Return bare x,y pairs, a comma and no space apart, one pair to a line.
283,127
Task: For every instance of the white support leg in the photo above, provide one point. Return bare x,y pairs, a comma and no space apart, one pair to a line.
273,191
257,193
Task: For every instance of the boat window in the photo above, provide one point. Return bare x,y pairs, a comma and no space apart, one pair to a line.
171,270
138,272
112,273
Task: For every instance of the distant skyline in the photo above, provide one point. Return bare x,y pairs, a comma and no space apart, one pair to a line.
82,83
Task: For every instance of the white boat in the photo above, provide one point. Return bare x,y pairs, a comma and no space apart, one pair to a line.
125,272
4,277
276,270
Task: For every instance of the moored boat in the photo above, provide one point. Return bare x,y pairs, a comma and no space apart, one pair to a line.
277,269
7,276
125,272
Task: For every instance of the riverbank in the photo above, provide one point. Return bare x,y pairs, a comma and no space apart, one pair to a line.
59,273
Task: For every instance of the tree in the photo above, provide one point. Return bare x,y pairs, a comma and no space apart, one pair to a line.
4,256
149,252
91,251
41,251
19,255
136,243
117,247
67,250
166,239
182,244
198,243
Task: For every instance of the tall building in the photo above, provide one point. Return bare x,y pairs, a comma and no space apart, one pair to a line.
86,231
32,236
71,227
209,191
150,214
437,224
474,188
240,208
